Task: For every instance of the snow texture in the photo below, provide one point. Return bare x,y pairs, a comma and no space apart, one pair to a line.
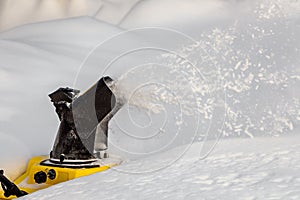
261,168
207,77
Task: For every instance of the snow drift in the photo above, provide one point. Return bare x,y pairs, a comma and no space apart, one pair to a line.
237,76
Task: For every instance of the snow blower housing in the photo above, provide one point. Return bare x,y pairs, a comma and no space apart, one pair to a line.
82,137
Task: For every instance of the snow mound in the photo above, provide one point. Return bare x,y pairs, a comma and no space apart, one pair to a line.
14,156
239,78
35,60
261,168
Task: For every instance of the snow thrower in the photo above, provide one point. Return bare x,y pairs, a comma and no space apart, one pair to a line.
80,147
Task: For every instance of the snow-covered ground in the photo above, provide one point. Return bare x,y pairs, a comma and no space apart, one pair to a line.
260,168
211,79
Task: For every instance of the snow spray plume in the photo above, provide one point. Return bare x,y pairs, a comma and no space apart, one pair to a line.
165,104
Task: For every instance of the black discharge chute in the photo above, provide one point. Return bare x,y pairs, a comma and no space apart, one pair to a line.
83,121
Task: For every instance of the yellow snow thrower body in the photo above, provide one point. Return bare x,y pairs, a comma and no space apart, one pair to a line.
80,145
50,175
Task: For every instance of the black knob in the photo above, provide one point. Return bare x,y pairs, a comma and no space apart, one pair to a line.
61,158
51,174
40,177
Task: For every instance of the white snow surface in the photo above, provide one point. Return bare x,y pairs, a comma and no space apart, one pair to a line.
237,78
14,13
260,168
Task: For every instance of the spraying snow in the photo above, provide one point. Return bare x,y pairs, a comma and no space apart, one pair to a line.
237,77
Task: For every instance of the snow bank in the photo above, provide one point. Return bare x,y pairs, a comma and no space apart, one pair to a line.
15,13
237,59
33,11
14,156
261,168
35,60
238,77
